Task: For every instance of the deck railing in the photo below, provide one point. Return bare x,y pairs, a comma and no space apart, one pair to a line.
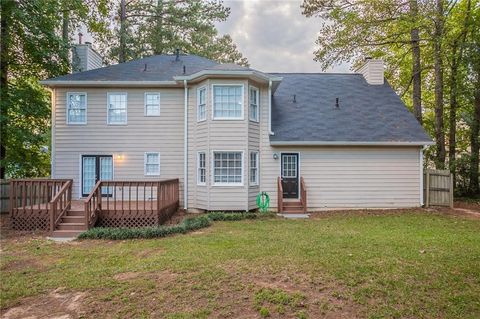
30,201
279,195
130,198
303,194
60,204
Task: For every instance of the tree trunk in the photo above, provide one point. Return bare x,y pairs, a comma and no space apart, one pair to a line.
475,141
453,112
6,7
438,75
158,42
123,30
416,64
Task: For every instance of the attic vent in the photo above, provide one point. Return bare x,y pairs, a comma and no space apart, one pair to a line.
337,105
145,68
184,69
177,54
294,98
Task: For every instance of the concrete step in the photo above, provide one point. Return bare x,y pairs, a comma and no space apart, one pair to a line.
72,226
73,219
293,211
66,233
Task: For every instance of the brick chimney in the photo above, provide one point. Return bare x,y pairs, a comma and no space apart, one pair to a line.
373,71
84,57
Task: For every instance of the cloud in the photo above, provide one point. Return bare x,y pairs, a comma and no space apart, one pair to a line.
274,35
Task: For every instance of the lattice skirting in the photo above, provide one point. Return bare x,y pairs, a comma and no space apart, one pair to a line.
25,222
134,219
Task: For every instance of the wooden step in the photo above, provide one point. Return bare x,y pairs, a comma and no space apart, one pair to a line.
293,211
66,233
75,213
72,226
296,203
73,219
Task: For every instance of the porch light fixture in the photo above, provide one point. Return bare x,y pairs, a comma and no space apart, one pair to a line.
119,156
275,156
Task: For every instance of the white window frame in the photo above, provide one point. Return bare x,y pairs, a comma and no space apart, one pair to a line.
257,168
145,164
242,116
68,108
159,103
108,108
199,118
212,162
257,93
199,182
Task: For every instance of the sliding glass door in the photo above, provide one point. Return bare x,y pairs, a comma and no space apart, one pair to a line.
95,168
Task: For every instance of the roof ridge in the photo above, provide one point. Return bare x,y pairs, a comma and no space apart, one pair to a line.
317,73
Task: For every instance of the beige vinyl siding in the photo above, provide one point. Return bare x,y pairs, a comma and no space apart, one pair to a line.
254,142
347,177
163,134
216,135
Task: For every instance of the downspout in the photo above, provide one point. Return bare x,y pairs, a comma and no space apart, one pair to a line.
52,138
185,147
421,175
270,107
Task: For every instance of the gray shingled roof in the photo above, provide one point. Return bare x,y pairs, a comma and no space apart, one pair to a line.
159,68
367,113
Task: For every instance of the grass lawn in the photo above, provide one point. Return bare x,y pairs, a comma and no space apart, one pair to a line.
413,265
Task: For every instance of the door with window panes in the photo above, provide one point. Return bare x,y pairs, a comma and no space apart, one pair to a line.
290,175
95,168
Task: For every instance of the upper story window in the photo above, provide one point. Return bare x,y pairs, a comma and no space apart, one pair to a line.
228,102
77,108
201,104
152,163
152,104
254,108
117,108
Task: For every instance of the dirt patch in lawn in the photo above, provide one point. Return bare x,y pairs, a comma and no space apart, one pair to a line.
57,304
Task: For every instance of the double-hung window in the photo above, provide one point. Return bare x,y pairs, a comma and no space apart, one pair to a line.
253,168
201,168
117,108
228,102
201,104
152,163
254,110
152,104
227,168
77,108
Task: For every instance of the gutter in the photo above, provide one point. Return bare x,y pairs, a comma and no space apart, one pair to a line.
270,108
60,83
185,147
347,143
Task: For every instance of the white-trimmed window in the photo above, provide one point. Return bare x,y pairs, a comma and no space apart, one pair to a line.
117,108
201,104
228,102
227,168
152,163
152,104
253,168
254,110
201,168
76,108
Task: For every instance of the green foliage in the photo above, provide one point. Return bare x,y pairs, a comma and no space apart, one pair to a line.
264,312
221,216
279,298
187,225
162,26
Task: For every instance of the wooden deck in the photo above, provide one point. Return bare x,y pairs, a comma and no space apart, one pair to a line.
47,204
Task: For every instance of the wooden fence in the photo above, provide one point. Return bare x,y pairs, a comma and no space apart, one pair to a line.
4,196
438,188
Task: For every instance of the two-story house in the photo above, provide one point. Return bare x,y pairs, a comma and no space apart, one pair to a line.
229,132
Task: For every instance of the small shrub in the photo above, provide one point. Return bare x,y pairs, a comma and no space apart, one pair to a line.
222,216
264,312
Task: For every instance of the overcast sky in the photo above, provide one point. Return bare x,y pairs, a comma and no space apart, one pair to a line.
274,35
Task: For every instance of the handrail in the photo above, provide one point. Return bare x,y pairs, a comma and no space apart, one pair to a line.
64,198
303,194
93,204
279,195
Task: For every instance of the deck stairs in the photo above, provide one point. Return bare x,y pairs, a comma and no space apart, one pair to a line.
71,224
